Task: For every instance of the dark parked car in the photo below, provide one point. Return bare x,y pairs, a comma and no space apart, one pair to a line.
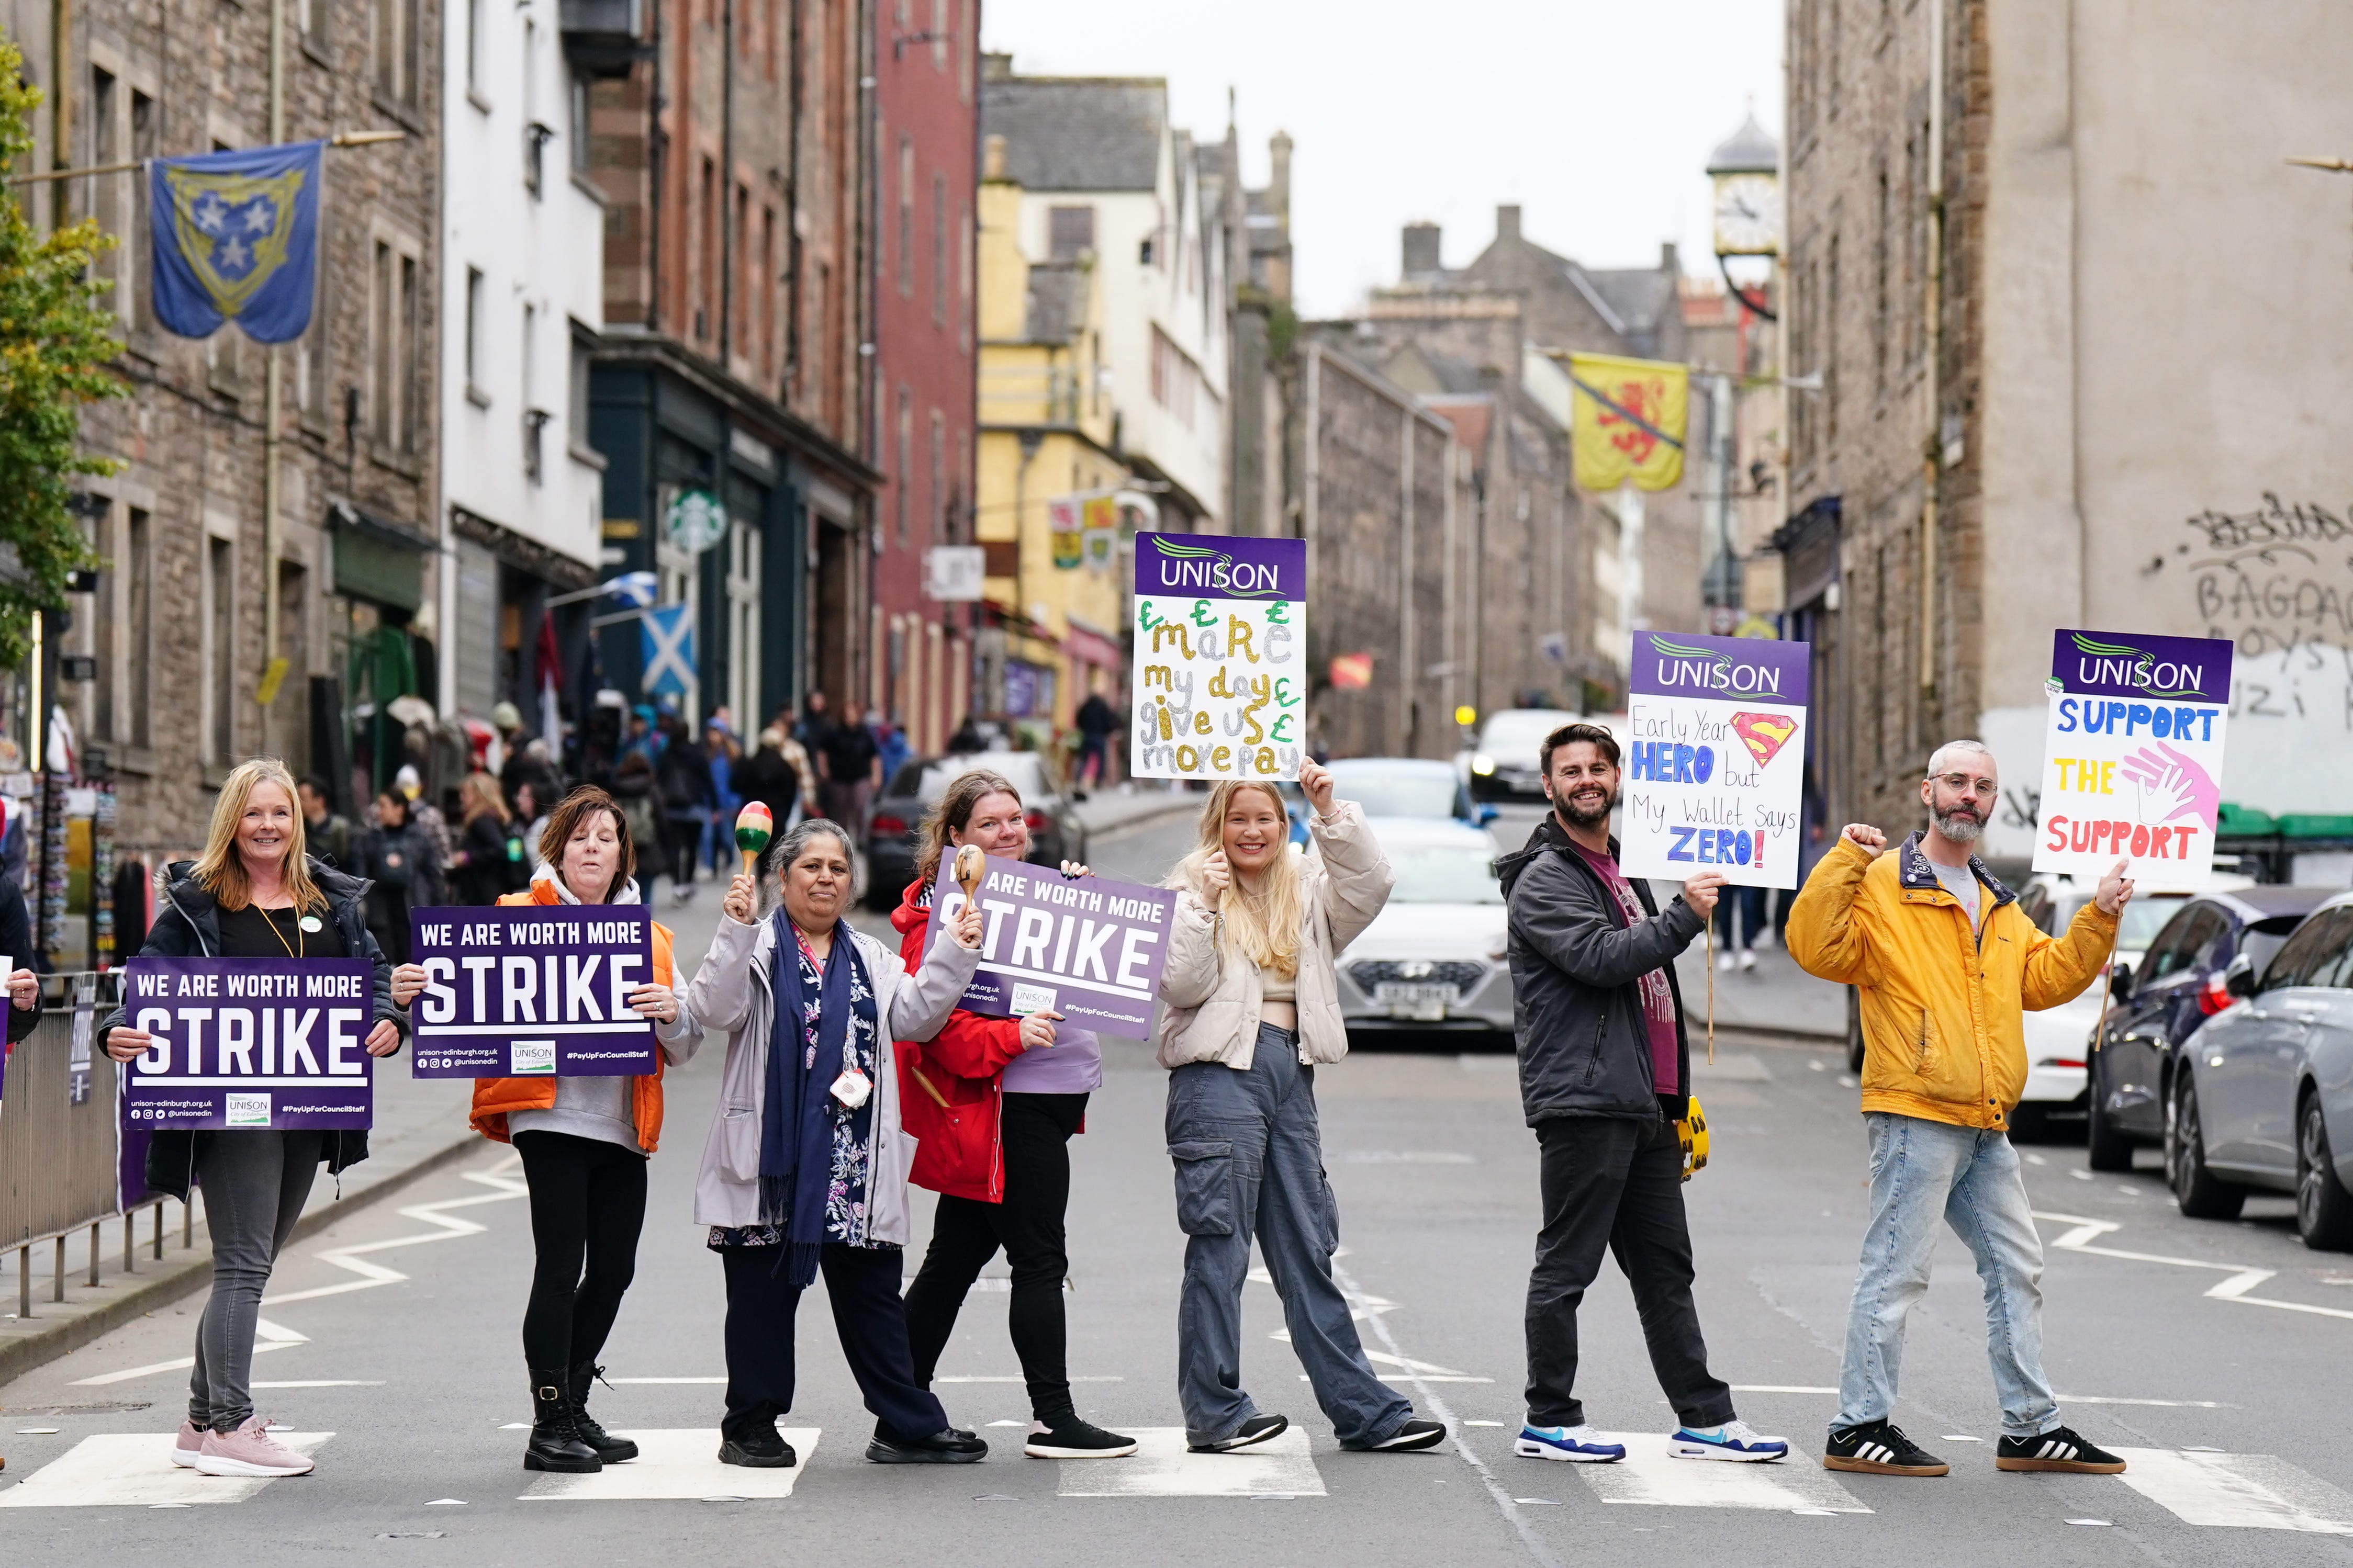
2263,1098
1056,833
2158,1003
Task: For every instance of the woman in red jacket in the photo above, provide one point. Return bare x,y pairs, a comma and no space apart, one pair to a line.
993,1102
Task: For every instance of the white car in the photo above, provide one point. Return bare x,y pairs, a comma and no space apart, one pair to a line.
1433,959
2059,1039
1506,764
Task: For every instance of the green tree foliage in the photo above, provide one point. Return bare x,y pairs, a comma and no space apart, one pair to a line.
56,339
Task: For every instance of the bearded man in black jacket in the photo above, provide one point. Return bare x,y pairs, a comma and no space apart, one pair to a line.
1605,1074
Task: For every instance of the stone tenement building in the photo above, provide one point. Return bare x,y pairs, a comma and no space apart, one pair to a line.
2002,445
176,626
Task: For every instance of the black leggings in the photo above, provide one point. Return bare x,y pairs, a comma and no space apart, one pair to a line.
588,1206
966,1234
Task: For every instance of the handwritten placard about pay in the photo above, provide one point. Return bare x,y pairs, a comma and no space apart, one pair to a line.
1715,759
1220,656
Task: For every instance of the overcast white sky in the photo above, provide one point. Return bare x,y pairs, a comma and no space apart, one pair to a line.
1597,116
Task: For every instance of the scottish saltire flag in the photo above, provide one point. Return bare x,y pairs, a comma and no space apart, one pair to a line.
236,238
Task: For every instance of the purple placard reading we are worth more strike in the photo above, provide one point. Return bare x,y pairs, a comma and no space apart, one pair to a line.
1085,947
533,991
251,1043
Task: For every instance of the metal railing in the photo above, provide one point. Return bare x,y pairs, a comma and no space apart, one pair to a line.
60,1144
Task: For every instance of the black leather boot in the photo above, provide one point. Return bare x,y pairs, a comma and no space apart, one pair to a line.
609,1448
555,1442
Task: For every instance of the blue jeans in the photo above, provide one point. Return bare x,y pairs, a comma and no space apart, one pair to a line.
1249,1162
1919,1170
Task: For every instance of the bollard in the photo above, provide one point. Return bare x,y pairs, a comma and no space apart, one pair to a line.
93,1254
25,1280
187,1224
159,1230
57,1273
129,1243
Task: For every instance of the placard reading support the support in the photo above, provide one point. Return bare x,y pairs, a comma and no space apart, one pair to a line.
1715,759
2132,757
1220,659
1087,948
533,991
251,1043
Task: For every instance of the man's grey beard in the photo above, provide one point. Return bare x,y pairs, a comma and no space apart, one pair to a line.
1960,825
1570,815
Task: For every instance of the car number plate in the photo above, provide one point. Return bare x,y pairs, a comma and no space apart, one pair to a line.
1405,1001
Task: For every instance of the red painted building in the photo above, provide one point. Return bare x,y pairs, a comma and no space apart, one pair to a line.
925,160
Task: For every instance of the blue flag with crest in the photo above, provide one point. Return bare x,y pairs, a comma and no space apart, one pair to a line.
236,238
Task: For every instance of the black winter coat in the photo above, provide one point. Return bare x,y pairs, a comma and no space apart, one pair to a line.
189,927
1577,994
16,946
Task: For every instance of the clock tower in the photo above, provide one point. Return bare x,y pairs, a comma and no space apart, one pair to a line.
1746,169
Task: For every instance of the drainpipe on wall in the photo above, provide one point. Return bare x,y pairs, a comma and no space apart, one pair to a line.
1933,323
273,415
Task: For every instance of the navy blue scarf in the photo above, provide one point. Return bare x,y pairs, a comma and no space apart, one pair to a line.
796,1124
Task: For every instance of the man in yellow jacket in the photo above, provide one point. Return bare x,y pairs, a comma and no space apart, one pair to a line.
1946,963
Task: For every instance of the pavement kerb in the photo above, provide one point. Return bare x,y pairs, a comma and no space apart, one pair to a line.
1169,807
171,1280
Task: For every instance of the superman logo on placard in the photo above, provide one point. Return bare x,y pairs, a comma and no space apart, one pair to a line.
1763,733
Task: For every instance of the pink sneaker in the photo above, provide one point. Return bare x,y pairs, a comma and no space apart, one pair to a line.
187,1445
249,1451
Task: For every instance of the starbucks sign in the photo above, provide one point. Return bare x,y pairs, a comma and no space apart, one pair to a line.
694,521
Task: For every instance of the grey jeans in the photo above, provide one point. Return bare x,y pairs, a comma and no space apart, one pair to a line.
255,1183
1249,1162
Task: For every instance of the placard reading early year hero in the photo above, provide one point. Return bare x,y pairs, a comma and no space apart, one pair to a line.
1089,949
251,1043
1715,759
2132,757
533,991
1220,656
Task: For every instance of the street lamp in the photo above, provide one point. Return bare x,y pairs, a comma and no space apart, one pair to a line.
1746,169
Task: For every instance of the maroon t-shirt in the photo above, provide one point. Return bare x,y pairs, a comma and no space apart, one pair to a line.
1658,998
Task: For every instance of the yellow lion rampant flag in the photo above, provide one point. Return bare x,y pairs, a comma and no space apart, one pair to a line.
1627,421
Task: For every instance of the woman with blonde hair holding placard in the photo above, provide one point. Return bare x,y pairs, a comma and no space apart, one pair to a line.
1253,1007
252,894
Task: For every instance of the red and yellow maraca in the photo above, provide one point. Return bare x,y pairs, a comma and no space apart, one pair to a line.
753,827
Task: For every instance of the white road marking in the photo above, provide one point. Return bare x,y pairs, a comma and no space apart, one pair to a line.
1404,1157
324,1383
1162,1467
1650,1475
1004,1380
277,1337
1960,1437
2252,1491
678,1463
2036,1160
134,1470
2243,1279
1780,1388
182,1365
1429,1372
621,1380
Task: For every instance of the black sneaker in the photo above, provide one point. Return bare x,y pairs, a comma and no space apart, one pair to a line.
1256,1429
2057,1449
952,1446
1879,1448
759,1451
1068,1437
1414,1434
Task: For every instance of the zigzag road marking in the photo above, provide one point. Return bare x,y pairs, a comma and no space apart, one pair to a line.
275,1337
2243,1279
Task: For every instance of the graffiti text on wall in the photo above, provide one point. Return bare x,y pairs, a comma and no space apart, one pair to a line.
2276,578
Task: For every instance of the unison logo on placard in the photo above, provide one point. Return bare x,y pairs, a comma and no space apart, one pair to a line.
2099,663
1202,569
1681,666
531,1057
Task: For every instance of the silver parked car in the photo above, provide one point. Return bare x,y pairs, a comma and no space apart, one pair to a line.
2267,1101
1434,957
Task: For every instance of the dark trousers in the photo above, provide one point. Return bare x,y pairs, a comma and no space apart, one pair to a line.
1614,1183
682,838
588,1206
1748,904
255,1183
1035,1132
862,1282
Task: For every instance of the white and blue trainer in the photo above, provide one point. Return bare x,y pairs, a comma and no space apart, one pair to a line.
1734,1440
1577,1445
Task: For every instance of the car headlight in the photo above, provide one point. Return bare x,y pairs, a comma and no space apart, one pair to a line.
1482,763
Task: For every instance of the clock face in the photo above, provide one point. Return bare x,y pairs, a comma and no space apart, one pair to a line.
1748,215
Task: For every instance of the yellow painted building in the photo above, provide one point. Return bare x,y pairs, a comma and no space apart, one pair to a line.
1057,596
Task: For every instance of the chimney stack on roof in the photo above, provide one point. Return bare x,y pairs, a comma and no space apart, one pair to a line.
1419,255
996,67
1507,221
1277,184
992,157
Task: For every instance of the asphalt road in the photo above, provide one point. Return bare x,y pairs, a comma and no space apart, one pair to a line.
413,1363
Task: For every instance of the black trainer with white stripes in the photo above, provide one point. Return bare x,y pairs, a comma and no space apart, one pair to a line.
1879,1448
2058,1449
